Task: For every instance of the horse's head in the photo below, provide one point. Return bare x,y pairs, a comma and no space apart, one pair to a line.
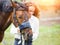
21,13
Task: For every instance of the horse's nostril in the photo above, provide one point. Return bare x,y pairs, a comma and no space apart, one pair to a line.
20,17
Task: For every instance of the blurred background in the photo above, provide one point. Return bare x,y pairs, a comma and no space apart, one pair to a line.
49,24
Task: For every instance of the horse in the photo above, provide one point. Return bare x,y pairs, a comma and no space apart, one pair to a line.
9,14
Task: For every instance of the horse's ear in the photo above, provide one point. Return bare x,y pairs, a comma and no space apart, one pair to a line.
14,3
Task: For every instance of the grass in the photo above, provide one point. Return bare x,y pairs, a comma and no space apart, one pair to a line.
49,35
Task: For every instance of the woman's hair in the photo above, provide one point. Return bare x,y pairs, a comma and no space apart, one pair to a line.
36,12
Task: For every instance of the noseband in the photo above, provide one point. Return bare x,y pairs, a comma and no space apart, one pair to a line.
15,18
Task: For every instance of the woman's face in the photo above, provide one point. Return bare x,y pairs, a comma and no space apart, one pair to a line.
31,10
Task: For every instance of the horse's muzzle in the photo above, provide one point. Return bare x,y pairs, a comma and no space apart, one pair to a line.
25,25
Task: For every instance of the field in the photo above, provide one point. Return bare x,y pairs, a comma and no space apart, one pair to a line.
49,35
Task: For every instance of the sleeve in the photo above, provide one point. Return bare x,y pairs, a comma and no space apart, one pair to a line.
13,29
35,29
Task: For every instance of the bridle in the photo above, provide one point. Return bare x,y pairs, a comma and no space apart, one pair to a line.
14,17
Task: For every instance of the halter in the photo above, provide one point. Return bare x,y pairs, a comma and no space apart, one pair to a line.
15,18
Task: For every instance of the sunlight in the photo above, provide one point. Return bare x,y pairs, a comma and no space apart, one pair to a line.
47,2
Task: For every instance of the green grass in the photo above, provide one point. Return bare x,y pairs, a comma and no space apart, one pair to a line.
49,35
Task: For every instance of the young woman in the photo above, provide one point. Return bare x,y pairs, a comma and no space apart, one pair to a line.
34,18
33,12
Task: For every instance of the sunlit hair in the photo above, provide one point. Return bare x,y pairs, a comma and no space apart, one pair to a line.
36,12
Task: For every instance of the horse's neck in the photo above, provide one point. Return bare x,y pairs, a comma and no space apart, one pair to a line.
7,23
4,23
3,20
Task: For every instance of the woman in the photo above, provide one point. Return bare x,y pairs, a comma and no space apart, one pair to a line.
33,12
34,18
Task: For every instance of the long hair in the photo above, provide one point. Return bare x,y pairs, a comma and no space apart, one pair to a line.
36,12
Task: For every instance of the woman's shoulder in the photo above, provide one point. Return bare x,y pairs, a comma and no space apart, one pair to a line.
35,18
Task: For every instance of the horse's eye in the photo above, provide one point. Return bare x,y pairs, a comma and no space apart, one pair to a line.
20,17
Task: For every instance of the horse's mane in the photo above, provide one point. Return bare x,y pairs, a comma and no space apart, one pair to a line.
36,12
5,6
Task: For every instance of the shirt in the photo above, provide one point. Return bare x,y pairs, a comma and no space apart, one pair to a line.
34,22
13,30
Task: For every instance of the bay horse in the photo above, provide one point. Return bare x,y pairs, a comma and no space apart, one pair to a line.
7,10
